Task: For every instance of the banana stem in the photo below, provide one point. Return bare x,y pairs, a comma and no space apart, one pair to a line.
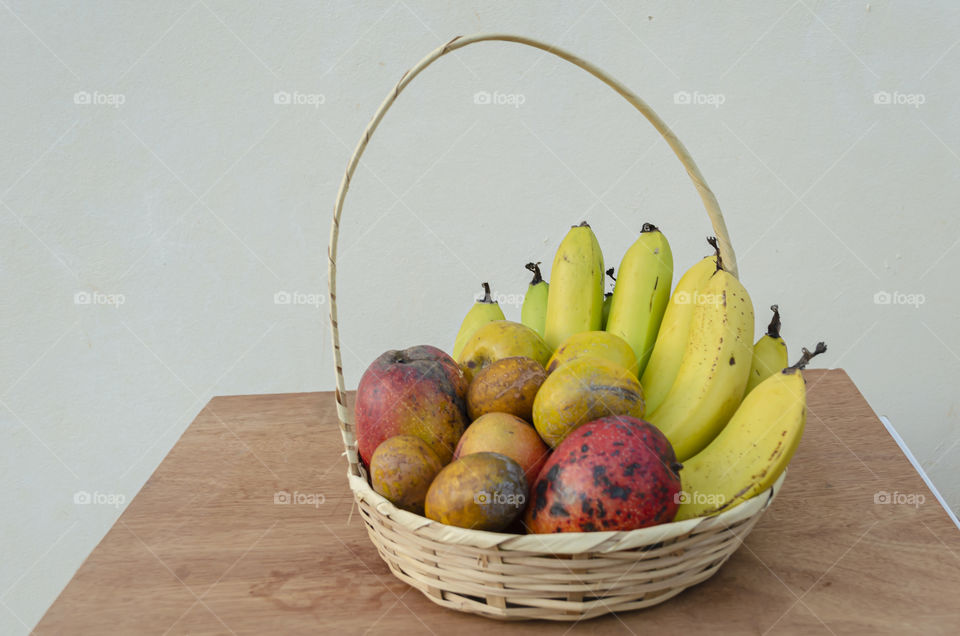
614,278
806,357
773,329
535,268
712,240
487,298
649,227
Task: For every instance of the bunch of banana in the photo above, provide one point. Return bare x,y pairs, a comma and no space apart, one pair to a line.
714,368
607,300
483,311
641,293
575,301
533,312
664,362
769,353
753,449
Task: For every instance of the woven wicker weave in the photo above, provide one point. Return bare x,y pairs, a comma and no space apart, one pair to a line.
568,576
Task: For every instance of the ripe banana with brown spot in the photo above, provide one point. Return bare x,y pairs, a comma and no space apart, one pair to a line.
769,353
715,367
664,363
754,448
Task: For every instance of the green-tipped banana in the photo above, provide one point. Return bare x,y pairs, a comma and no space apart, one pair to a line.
714,370
769,353
575,302
607,300
751,452
533,313
664,362
641,293
483,311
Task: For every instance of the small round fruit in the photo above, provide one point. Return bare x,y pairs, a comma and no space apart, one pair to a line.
615,473
402,469
508,435
501,339
483,491
594,344
581,391
507,385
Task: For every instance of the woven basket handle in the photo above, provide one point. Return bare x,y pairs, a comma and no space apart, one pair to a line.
706,195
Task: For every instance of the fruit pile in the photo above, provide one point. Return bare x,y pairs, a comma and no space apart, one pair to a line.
594,412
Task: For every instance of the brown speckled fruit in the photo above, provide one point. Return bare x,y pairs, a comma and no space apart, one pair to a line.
508,385
594,344
615,473
581,391
501,339
402,469
483,491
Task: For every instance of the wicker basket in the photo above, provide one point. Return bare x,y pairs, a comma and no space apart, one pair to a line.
568,576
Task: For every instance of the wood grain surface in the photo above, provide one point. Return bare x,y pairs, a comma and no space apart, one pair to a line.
204,548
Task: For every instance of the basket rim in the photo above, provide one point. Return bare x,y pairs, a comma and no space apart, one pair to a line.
565,542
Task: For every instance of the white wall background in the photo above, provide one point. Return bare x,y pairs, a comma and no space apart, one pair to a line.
198,199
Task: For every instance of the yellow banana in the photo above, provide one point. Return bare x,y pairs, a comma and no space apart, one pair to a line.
664,362
753,449
642,292
769,353
533,312
714,370
575,302
483,311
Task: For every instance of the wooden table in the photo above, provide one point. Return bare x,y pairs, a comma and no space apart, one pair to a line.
203,548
